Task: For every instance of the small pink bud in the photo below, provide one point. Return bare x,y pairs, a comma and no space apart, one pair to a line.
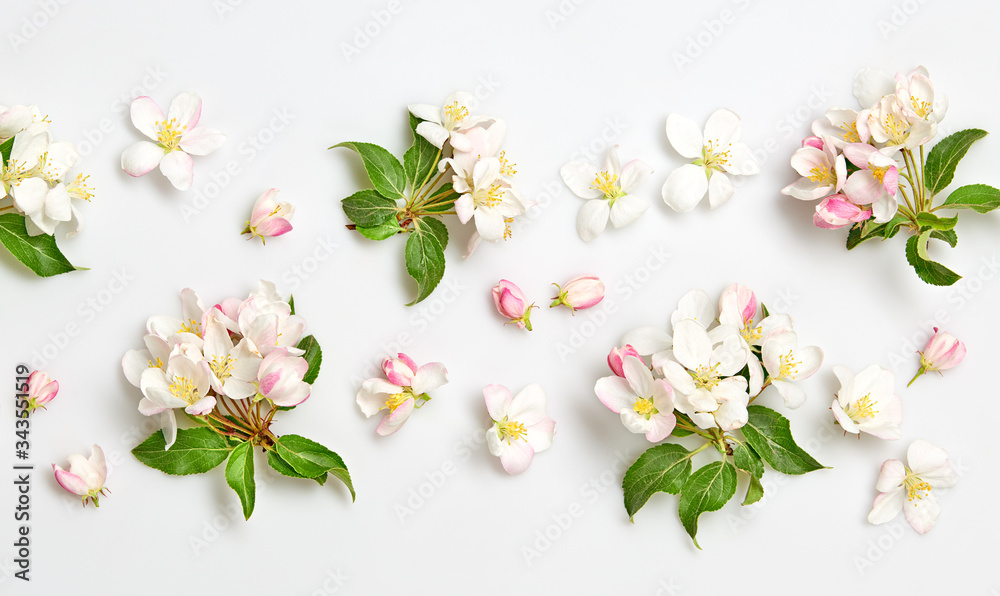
581,292
41,390
742,298
399,370
512,304
814,142
836,211
942,352
269,218
617,356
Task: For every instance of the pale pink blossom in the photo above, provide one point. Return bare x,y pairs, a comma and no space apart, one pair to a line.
876,181
911,487
269,217
512,304
617,356
823,171
942,352
85,477
645,404
280,378
837,211
521,427
404,389
579,293
41,390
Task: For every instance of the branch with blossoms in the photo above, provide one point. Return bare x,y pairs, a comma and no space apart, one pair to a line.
701,382
873,173
231,368
454,167
39,195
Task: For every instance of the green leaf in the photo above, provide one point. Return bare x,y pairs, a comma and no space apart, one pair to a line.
310,459
444,199
196,451
682,432
384,170
949,236
662,468
746,459
763,310
891,227
6,148
239,476
291,303
981,198
708,489
931,272
755,491
285,469
313,356
384,230
368,208
854,236
436,226
424,261
421,159
770,435
38,253
939,170
938,223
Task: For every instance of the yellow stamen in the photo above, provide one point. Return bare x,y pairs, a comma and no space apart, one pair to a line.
511,430
506,168
789,366
223,368
896,128
455,113
915,487
489,198
713,155
183,388
395,400
850,133
878,173
750,333
822,173
157,364
607,183
78,188
644,407
169,135
190,326
506,227
862,409
920,107
705,377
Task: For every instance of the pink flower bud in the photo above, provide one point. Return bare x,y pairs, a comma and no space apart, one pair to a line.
942,352
836,211
741,299
399,370
814,142
581,292
85,477
511,303
269,218
41,390
617,355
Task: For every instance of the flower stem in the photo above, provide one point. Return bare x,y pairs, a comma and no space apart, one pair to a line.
919,374
424,191
415,192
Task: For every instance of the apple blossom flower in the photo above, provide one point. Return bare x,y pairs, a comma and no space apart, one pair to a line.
814,142
737,305
876,181
39,192
823,172
889,124
870,86
580,292
717,154
269,217
915,95
942,352
449,122
911,487
840,127
786,362
521,427
616,357
490,199
837,211
177,137
85,477
404,389
16,119
265,321
645,404
183,383
512,304
41,390
608,192
279,379
234,368
867,402
483,142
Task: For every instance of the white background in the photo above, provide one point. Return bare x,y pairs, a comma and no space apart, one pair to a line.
558,78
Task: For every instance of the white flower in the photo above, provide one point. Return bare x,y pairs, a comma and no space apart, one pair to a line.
183,383
646,405
823,172
234,368
916,96
785,362
890,125
483,142
607,192
716,154
521,428
910,488
839,127
177,138
448,122
490,200
867,402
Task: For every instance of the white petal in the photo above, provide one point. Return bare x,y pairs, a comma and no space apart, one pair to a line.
202,141
429,377
593,218
185,109
579,176
692,348
648,340
886,506
627,209
145,116
685,187
498,399
720,189
684,136
528,406
922,513
178,167
141,158
633,175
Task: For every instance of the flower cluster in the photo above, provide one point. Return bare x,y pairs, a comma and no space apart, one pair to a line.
403,389
456,166
869,170
702,380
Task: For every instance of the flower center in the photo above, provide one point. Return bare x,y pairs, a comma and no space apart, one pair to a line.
78,188
878,173
862,409
169,135
705,377
896,128
454,115
511,430
507,233
157,364
644,407
850,133
223,368
750,333
607,183
789,367
915,487
190,326
488,197
822,173
183,388
920,107
713,155
395,400
506,168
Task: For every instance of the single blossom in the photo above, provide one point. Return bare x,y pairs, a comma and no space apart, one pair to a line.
786,362
942,352
279,379
837,211
512,304
915,95
489,199
183,383
580,292
449,122
867,402
41,390
521,427
405,388
608,192
889,124
823,172
645,404
616,358
234,368
840,127
177,137
911,487
85,477
39,191
717,154
269,218
875,183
